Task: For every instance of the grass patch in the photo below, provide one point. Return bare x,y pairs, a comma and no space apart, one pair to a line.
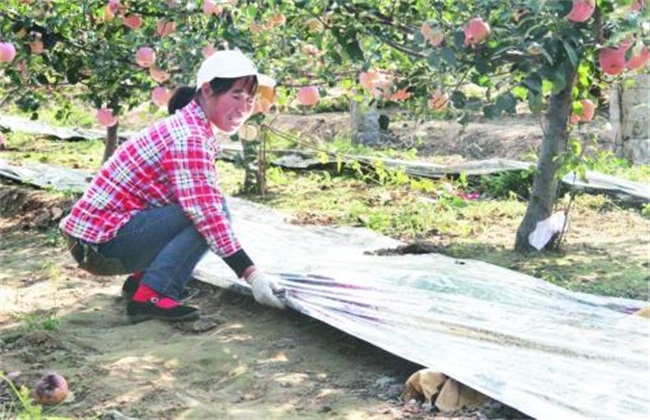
606,249
72,154
607,163
34,321
577,268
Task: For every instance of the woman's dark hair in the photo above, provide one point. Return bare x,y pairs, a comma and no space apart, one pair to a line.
185,94
181,97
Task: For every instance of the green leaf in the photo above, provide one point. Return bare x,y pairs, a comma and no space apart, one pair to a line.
42,79
559,79
72,76
483,80
433,59
520,92
251,11
384,122
458,99
490,111
535,103
584,74
506,102
353,50
335,57
570,52
547,56
533,83
576,107
448,55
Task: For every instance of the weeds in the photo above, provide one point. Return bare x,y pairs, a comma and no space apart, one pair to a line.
507,184
606,162
52,270
34,322
645,211
54,238
26,410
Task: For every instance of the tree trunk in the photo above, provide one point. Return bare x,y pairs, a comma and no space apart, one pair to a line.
249,160
628,113
111,141
545,182
261,163
364,123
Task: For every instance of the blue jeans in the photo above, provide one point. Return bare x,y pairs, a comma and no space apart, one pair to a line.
164,243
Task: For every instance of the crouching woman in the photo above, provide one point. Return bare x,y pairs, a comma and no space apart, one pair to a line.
155,207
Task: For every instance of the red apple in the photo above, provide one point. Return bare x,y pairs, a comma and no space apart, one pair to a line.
164,28
433,36
160,96
582,10
211,8
7,52
132,22
145,57
588,110
113,6
158,75
51,389
36,46
308,95
476,32
106,118
612,60
438,100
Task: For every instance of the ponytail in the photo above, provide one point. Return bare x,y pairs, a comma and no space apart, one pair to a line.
180,98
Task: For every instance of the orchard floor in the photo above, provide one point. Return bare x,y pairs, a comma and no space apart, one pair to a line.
240,360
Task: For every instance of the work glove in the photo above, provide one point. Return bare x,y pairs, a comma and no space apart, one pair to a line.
264,289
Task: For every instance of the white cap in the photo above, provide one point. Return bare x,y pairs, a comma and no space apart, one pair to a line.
229,64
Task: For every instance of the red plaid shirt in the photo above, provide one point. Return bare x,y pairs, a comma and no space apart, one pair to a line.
172,162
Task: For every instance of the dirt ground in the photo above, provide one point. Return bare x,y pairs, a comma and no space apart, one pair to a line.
241,360
516,137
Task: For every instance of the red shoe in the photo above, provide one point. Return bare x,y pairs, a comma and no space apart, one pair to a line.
149,304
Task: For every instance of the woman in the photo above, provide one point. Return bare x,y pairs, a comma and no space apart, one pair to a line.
155,205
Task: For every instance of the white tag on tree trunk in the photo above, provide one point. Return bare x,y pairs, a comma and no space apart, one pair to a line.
545,230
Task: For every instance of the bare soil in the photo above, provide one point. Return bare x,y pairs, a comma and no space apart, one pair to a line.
516,137
240,360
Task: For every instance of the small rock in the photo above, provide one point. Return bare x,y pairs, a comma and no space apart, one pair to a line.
115,415
56,213
394,391
385,381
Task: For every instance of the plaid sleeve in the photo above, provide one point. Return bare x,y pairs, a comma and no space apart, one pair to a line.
193,176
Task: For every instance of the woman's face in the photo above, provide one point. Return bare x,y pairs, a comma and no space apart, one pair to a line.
229,110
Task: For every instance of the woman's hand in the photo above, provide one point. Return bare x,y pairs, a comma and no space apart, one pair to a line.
263,289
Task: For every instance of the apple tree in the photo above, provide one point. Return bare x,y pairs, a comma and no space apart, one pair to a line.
554,56
114,55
